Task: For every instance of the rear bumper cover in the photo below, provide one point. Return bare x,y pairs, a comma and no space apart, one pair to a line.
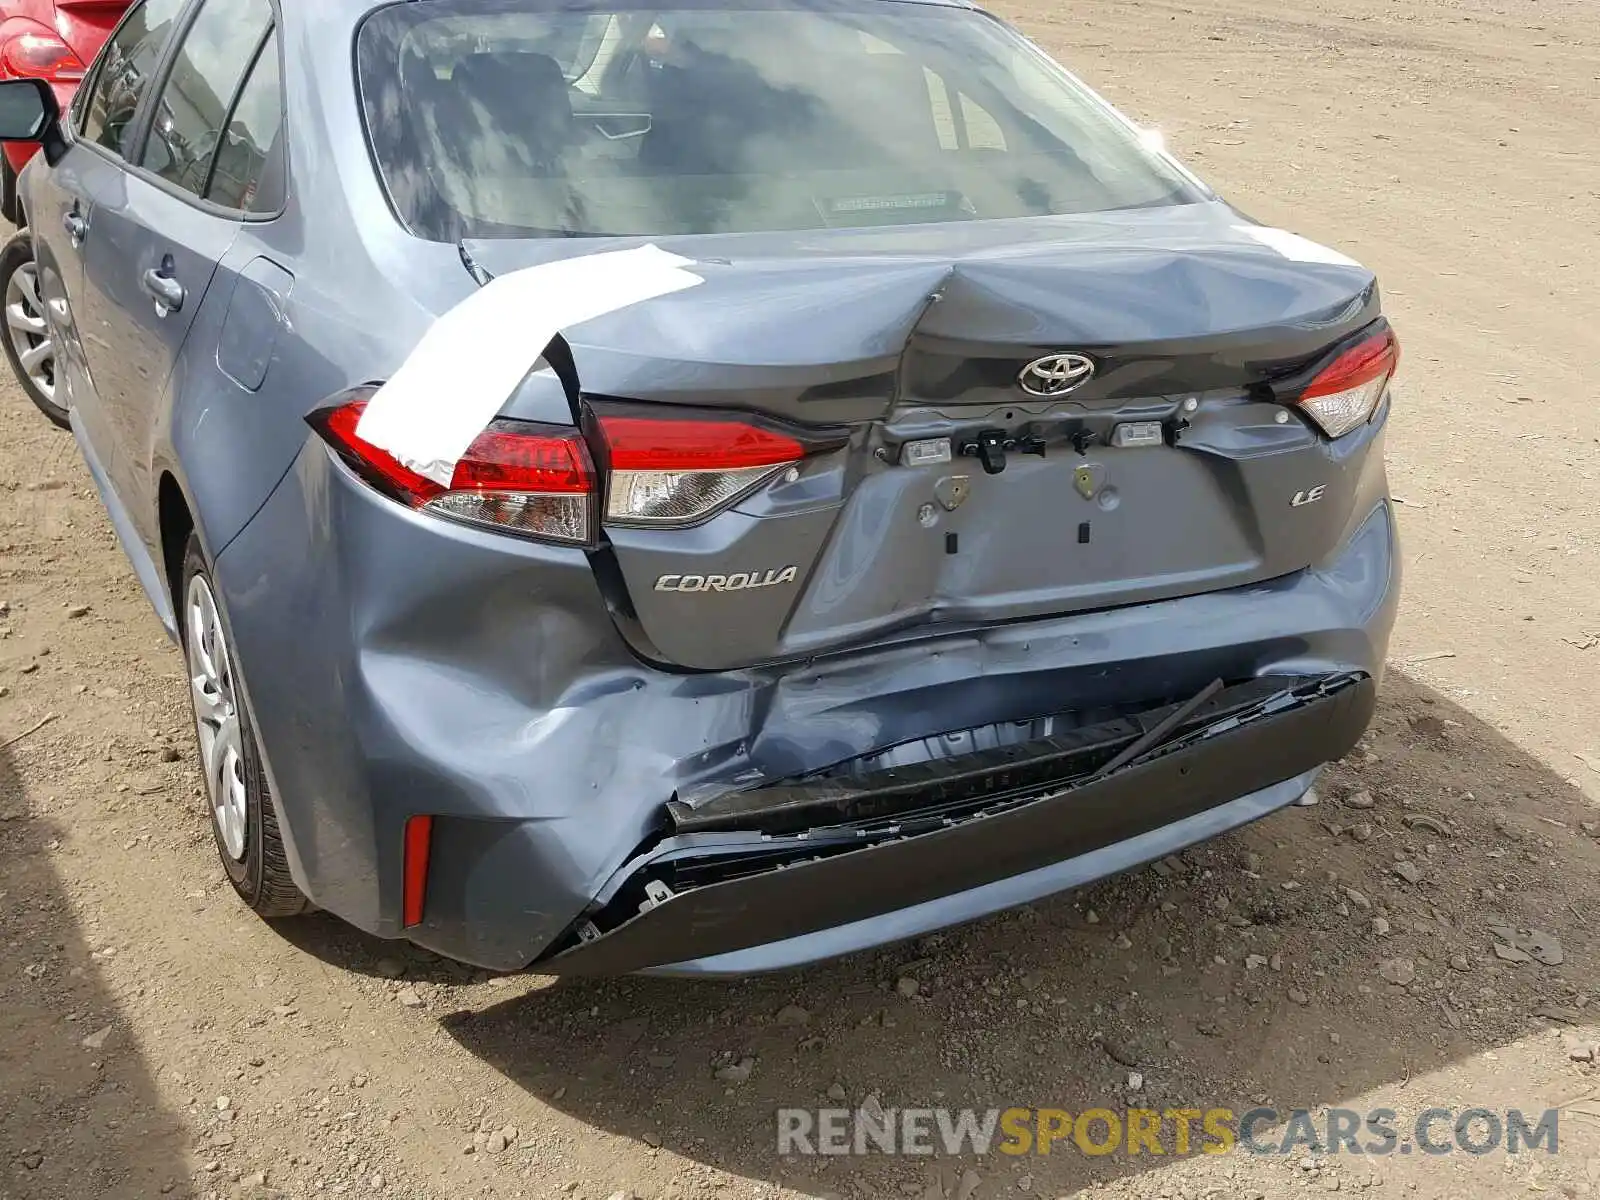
822,883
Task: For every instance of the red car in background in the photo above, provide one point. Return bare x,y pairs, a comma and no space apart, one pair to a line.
54,40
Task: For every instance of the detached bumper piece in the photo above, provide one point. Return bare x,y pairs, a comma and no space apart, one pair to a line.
747,868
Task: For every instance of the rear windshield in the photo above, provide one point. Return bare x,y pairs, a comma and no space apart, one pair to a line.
502,118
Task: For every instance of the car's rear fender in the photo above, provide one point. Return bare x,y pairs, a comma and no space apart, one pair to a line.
268,345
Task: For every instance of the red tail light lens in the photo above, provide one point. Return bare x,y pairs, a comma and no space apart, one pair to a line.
377,467
652,444
516,476
33,51
678,472
1344,394
503,457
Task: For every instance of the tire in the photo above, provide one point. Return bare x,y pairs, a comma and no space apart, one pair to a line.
244,824
24,331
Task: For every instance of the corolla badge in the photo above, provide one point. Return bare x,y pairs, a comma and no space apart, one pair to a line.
739,581
1056,374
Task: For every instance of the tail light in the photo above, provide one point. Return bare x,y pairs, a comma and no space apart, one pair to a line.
517,477
1344,394
29,50
540,480
667,471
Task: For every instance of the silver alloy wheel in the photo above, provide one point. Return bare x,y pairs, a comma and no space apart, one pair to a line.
30,337
216,717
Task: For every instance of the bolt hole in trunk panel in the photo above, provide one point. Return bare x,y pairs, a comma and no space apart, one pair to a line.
739,869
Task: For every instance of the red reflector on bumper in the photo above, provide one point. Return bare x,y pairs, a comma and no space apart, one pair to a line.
419,837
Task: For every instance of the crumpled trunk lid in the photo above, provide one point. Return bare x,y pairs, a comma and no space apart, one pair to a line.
1035,506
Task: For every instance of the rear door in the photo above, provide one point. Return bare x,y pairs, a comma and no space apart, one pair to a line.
62,205
159,236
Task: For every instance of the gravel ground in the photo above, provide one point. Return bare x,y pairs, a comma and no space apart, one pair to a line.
155,1039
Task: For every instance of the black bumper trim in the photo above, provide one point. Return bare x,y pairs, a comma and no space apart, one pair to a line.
909,791
1241,754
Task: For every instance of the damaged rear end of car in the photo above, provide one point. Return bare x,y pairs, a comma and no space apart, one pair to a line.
845,558
748,664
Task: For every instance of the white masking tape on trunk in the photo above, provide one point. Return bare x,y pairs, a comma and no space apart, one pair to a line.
474,356
1296,248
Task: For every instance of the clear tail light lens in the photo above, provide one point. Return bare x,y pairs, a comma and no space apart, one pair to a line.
678,471
1344,394
517,477
33,51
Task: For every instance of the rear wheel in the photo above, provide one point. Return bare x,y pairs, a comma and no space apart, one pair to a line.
243,819
26,337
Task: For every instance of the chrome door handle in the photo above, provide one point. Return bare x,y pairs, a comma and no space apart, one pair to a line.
77,228
167,292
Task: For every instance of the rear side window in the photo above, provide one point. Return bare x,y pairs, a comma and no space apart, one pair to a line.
127,65
191,119
248,173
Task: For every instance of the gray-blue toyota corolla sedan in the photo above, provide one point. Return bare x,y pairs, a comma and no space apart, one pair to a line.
702,488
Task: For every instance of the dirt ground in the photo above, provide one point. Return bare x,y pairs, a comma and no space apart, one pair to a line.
155,1039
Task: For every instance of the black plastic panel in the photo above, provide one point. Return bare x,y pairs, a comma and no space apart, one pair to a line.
807,896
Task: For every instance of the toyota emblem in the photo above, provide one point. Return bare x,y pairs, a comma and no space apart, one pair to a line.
1056,374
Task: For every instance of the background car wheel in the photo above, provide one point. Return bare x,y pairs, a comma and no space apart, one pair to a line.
26,337
8,193
243,819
